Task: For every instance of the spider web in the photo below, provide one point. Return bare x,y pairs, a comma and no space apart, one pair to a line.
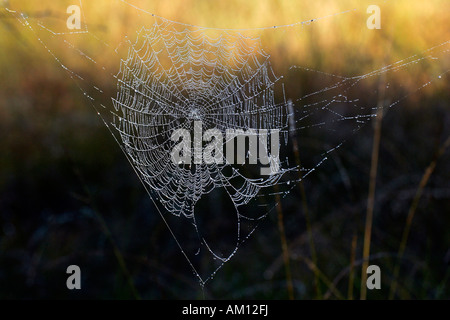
170,75
170,80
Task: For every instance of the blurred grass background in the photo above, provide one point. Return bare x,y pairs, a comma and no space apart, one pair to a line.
68,195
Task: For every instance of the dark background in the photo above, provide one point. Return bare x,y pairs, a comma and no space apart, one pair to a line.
69,196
